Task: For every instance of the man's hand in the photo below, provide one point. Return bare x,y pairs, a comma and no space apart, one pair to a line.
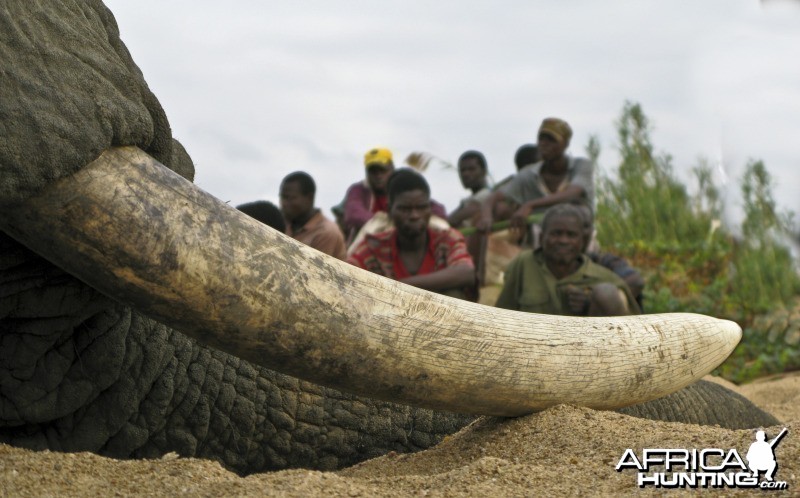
519,219
484,221
578,299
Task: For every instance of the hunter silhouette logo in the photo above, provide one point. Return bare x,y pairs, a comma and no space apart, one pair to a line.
761,455
709,467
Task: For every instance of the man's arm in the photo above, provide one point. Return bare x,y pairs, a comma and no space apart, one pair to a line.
355,212
484,223
509,295
583,176
452,277
459,271
520,216
465,211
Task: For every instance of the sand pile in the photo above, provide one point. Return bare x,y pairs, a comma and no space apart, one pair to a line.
562,451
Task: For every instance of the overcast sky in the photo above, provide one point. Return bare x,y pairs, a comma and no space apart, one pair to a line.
256,90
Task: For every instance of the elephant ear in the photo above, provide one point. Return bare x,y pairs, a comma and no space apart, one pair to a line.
69,91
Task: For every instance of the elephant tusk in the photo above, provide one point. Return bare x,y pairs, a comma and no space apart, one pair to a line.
141,234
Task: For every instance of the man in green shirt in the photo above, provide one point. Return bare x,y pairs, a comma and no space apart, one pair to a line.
559,279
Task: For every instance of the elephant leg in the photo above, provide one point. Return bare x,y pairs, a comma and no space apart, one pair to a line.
704,403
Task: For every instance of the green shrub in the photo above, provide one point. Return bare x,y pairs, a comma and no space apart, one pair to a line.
690,261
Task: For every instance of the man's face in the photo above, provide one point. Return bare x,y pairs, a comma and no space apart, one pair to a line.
410,212
377,176
471,172
294,204
562,242
550,148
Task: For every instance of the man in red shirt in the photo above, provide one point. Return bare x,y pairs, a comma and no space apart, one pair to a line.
412,252
306,223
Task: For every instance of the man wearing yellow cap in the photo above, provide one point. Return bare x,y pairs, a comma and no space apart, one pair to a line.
367,197
556,178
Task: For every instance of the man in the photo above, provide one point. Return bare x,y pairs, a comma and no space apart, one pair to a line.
265,212
306,223
526,155
555,179
412,251
472,171
558,278
615,263
366,198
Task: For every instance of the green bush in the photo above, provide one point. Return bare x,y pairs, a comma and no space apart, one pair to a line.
690,261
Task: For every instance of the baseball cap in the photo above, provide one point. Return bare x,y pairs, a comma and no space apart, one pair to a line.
556,128
379,156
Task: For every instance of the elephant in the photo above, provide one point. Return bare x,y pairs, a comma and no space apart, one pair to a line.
141,316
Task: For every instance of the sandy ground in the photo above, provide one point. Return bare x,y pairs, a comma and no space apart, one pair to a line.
563,451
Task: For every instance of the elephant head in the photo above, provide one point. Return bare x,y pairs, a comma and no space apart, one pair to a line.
93,182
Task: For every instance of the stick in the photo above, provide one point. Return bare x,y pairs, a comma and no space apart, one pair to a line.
500,225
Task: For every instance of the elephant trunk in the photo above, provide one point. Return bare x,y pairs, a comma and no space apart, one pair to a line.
134,230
